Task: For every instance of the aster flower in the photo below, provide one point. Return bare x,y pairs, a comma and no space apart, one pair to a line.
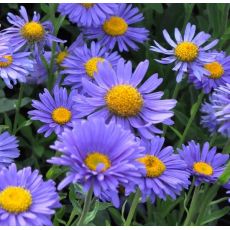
164,173
203,163
14,66
208,118
83,62
87,14
187,52
219,74
55,111
63,54
220,103
8,149
98,156
26,33
119,96
25,199
118,29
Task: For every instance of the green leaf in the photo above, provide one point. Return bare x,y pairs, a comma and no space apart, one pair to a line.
24,124
156,7
176,132
7,105
215,215
224,178
98,207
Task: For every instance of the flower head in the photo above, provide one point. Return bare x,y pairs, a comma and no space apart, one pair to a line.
87,14
26,33
163,173
55,111
99,156
187,52
118,95
8,149
118,29
203,163
25,199
219,74
83,63
14,66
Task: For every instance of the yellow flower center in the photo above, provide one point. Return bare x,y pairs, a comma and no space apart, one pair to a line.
15,199
61,115
61,56
87,5
186,51
91,65
203,168
124,100
115,26
96,158
154,166
215,68
4,64
33,31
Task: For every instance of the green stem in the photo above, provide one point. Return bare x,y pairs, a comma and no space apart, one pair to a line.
193,208
191,119
133,208
213,139
86,207
18,108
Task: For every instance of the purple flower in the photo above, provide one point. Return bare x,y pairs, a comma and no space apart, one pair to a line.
164,173
8,149
14,66
187,52
82,63
55,111
25,199
219,74
203,163
26,33
118,95
99,156
87,14
118,29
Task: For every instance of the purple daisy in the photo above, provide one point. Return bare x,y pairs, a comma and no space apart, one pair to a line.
25,199
14,66
203,163
83,62
118,95
99,156
56,112
221,104
187,52
219,74
164,173
118,29
29,34
87,14
8,149
63,54
208,118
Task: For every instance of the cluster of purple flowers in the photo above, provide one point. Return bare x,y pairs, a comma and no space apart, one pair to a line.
108,118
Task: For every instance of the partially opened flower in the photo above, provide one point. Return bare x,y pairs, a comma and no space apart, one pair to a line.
203,163
55,111
99,157
25,199
63,54
118,95
8,149
164,173
118,30
187,52
83,63
87,14
14,66
219,74
25,33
